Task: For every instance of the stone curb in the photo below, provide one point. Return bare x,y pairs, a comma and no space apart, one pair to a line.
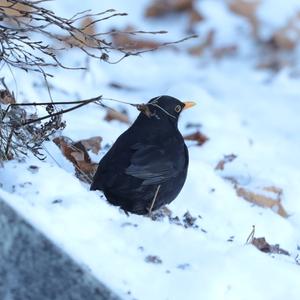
33,268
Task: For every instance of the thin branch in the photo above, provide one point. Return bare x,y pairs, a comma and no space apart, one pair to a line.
62,111
22,18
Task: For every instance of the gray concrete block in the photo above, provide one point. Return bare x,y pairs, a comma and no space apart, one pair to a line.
33,268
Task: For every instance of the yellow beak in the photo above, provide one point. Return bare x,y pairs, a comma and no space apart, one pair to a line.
189,104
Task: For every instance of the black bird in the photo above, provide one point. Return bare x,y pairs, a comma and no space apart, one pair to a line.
147,166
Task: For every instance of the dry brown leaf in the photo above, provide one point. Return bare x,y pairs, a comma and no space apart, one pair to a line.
16,10
262,245
227,158
288,37
65,145
267,196
271,199
273,62
197,136
161,8
6,97
93,144
273,189
112,114
248,10
77,154
195,17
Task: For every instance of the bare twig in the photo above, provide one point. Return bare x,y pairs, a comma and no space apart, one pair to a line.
153,201
251,235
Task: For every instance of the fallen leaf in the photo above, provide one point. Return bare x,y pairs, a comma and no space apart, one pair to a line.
6,97
247,9
227,158
271,199
288,36
77,154
160,8
262,245
197,136
273,62
16,9
93,144
195,16
112,114
267,196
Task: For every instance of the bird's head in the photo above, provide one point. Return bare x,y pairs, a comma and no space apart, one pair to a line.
166,108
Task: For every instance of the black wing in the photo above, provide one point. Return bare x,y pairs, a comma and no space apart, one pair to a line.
154,165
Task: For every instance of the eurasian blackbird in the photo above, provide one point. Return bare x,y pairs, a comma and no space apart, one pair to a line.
147,166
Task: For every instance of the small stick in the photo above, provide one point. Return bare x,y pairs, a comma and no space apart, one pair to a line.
154,199
86,101
49,103
251,235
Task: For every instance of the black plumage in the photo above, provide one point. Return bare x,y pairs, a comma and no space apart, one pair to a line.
147,166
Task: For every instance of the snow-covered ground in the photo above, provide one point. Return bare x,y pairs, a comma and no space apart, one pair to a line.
242,110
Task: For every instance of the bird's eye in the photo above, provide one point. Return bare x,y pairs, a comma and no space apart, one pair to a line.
177,108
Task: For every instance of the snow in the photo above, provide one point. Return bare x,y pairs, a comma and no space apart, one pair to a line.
242,110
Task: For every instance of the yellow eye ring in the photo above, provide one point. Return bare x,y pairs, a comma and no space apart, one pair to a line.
177,108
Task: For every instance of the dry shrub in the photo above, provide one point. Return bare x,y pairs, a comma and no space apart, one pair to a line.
20,135
20,50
